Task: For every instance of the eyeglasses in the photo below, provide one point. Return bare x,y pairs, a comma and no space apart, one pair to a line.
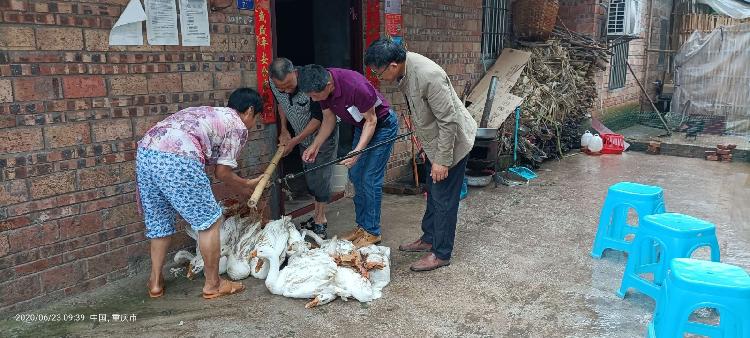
378,74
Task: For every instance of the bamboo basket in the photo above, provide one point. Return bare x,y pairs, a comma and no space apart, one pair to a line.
534,20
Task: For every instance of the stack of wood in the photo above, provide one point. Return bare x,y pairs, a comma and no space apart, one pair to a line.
559,89
722,153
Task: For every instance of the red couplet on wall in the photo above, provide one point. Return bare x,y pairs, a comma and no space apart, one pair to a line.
372,33
393,24
263,56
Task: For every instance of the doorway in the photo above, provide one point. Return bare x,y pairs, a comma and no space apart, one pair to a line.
324,32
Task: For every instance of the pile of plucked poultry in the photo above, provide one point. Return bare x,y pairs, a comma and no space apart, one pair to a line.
559,89
335,268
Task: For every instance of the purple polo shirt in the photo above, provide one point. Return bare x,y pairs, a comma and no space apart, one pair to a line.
352,96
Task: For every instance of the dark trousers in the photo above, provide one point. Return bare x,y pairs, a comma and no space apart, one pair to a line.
439,221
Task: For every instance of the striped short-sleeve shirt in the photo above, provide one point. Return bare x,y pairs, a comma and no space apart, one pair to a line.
299,110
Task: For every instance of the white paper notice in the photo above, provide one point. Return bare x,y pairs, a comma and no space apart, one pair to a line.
194,23
161,25
128,30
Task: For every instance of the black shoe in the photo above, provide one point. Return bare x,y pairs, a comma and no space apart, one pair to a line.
309,224
320,229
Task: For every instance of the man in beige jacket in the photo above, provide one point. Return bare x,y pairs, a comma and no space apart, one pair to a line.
446,130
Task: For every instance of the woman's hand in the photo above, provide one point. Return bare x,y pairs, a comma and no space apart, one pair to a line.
350,162
284,137
251,183
311,153
293,142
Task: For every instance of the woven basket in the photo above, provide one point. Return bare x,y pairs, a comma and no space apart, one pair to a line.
534,20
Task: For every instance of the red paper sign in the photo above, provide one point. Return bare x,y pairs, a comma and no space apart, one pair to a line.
393,24
372,33
263,55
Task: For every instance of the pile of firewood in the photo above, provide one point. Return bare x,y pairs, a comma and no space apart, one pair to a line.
559,89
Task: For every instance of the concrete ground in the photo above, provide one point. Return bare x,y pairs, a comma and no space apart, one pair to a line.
521,266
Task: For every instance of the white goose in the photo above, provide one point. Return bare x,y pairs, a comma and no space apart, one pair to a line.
311,274
378,262
334,247
274,236
238,266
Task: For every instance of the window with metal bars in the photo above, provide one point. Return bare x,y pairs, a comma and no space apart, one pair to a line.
618,68
495,21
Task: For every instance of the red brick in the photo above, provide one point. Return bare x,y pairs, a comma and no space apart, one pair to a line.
16,38
13,5
54,184
68,134
39,265
33,236
36,88
96,39
164,83
197,82
63,276
14,223
143,124
113,129
103,176
4,245
128,85
13,192
82,225
84,86
25,208
19,290
88,251
107,262
228,80
6,91
59,38
120,215
20,140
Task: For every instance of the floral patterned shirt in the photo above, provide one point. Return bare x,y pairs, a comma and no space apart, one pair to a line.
211,135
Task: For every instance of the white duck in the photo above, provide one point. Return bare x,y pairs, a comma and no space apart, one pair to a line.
311,274
195,266
351,284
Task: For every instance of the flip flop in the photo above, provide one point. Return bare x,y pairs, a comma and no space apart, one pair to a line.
226,287
158,294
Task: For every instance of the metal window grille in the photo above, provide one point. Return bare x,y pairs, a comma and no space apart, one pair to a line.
616,17
495,23
618,68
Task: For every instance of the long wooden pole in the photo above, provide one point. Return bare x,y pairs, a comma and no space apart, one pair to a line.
656,110
255,197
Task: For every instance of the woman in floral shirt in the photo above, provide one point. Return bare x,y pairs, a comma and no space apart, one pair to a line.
171,178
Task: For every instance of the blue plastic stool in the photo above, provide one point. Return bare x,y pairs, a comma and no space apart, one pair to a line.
613,227
693,284
677,236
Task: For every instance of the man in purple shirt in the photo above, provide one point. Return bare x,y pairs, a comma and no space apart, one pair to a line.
348,95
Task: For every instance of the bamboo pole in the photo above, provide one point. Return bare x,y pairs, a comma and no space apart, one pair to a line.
656,110
255,197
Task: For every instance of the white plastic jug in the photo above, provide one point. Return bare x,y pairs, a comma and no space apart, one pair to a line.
585,139
596,144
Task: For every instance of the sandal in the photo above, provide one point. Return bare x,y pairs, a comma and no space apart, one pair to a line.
158,294
226,287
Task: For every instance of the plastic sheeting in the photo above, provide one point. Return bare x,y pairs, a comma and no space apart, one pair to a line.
733,8
712,73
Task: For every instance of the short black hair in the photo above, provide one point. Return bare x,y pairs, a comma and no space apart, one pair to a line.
312,78
280,68
243,98
384,51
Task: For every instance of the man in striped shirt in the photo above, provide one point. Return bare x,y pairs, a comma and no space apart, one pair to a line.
305,116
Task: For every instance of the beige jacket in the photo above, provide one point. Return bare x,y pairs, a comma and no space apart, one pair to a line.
442,122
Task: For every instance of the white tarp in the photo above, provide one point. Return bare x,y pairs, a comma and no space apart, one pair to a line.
711,71
732,8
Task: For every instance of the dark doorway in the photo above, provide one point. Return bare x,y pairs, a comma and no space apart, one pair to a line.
324,32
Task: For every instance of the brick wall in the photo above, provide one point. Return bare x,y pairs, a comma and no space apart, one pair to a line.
71,111
587,16
448,32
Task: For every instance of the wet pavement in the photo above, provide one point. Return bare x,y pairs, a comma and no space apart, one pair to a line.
521,266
